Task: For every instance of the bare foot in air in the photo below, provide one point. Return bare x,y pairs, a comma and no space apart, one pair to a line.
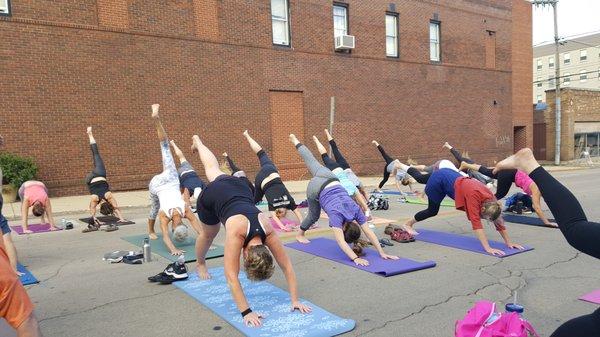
522,160
463,166
224,154
294,139
155,108
152,236
89,130
245,133
329,138
196,143
302,239
447,146
375,143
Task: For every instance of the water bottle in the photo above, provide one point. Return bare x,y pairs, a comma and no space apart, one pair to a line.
63,222
147,251
514,307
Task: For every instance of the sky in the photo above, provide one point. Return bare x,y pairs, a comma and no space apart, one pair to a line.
574,17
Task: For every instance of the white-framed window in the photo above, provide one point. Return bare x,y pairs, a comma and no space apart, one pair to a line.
539,98
340,20
539,64
539,81
391,35
583,55
434,41
583,76
567,79
551,81
551,62
567,58
4,7
280,20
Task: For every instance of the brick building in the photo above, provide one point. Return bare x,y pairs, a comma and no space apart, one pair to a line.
580,123
451,70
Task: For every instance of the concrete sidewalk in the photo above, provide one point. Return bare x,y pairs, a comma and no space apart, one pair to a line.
140,198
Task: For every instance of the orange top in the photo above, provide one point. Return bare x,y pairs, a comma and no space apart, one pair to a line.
15,305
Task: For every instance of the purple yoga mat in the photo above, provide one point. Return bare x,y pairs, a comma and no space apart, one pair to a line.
464,242
36,228
593,297
330,250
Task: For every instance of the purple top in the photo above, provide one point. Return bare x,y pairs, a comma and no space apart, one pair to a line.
340,207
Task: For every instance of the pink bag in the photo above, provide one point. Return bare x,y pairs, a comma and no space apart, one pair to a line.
483,321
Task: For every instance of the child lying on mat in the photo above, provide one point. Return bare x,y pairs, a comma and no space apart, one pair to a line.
470,196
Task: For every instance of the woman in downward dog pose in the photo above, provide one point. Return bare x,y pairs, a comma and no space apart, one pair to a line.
268,184
345,217
345,181
229,200
167,203
580,233
100,191
391,167
34,195
506,178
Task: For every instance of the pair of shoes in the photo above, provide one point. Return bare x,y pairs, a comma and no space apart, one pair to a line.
116,256
91,228
402,236
385,242
111,228
133,258
174,272
389,229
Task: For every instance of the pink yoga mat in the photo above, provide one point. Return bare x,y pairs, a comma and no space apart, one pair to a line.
36,228
285,221
593,297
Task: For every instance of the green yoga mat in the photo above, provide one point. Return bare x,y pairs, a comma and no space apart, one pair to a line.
419,201
158,247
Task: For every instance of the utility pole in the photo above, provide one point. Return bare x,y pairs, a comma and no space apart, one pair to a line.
557,142
331,118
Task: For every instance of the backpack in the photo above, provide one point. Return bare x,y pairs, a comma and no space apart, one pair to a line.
377,203
483,321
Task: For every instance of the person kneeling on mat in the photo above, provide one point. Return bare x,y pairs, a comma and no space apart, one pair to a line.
345,217
229,200
34,195
100,191
580,233
165,195
470,196
268,184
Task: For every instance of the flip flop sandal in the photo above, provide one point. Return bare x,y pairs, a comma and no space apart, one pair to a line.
385,241
90,228
111,228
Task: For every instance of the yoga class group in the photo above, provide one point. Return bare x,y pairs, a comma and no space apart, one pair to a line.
334,193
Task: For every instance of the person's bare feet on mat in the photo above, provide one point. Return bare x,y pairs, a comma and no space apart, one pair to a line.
202,271
153,236
302,239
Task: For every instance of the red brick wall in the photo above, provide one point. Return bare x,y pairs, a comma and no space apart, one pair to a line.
522,71
212,66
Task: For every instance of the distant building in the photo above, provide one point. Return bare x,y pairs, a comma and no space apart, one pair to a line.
579,65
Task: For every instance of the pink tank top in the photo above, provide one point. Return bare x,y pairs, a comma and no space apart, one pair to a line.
36,192
523,181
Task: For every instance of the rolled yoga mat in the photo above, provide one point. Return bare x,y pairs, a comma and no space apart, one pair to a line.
108,220
36,228
526,220
329,249
593,297
267,299
27,277
158,247
468,243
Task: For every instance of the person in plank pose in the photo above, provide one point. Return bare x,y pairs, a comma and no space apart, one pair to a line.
346,219
167,203
100,191
470,196
268,184
581,234
229,200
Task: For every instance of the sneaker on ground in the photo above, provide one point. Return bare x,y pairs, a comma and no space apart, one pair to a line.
178,271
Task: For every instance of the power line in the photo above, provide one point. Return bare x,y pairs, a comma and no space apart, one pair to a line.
563,76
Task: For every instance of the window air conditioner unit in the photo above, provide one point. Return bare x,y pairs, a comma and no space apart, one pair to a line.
344,42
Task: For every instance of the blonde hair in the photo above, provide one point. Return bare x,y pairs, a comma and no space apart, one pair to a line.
491,209
411,162
259,263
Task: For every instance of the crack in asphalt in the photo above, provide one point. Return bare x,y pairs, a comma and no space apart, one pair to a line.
105,304
52,276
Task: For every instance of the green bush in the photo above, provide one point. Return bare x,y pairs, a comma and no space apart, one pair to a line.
17,170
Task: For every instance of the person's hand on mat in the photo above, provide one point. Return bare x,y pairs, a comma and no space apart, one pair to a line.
515,246
202,271
551,224
178,252
19,274
253,319
389,257
361,262
495,252
303,308
54,228
153,236
27,231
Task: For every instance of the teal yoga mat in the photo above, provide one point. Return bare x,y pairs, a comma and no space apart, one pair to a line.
267,299
158,247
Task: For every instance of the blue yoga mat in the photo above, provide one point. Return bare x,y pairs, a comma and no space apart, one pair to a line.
27,277
464,242
330,250
273,303
526,220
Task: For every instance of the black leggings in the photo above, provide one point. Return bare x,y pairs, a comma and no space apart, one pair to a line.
388,160
266,169
329,163
505,179
338,155
580,233
421,178
99,169
432,210
460,158
232,166
385,156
